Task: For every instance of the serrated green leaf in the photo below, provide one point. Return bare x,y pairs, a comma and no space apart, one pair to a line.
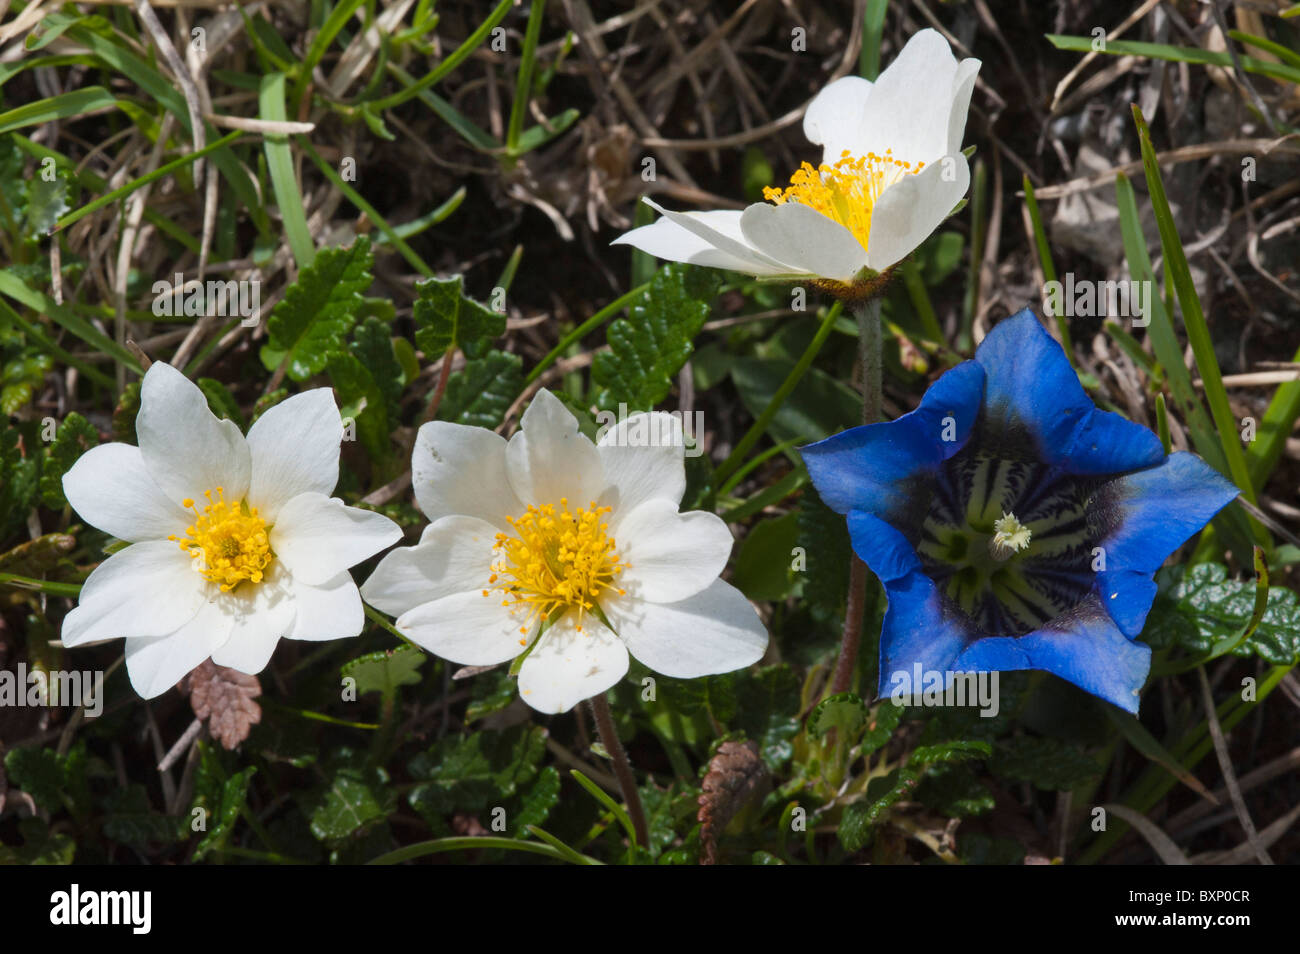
1205,607
650,346
536,803
74,437
1049,764
40,846
129,819
220,796
476,772
445,316
318,310
844,712
353,797
55,782
372,343
19,478
361,396
47,199
385,671
481,393
767,710
221,401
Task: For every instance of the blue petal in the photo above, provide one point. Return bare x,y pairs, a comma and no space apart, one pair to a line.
873,468
917,630
1152,512
1031,384
1127,597
1083,646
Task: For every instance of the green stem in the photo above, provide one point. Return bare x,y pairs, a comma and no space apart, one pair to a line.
70,590
796,374
595,321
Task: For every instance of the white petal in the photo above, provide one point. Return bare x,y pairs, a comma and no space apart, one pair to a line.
909,108
317,536
913,207
147,589
962,86
833,116
186,448
550,459
295,449
260,613
331,610
803,237
110,487
457,469
567,666
670,555
453,556
157,663
701,238
466,628
643,456
712,632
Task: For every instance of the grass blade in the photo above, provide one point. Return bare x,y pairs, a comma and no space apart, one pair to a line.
279,165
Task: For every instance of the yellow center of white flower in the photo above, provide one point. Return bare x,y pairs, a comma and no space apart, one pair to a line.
846,192
228,541
1010,537
557,560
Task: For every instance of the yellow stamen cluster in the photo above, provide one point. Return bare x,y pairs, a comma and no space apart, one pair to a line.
847,191
228,541
1010,537
556,560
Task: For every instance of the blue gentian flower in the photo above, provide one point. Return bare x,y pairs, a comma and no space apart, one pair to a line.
1013,524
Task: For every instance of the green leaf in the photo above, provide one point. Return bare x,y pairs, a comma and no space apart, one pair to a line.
74,437
1049,764
353,797
537,801
55,782
818,406
824,538
446,317
373,345
220,796
19,477
476,772
650,346
955,791
845,712
481,393
40,846
318,310
221,401
767,706
47,199
1205,607
362,399
385,671
763,565
861,817
130,819
128,406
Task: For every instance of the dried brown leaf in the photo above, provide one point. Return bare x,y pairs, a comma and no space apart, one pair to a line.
736,773
223,698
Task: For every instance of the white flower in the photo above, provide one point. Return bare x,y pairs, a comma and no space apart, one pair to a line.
892,171
549,526
235,541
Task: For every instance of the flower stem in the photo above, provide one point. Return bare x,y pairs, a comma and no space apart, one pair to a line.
622,768
869,343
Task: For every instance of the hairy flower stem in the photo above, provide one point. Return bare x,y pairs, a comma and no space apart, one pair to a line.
869,342
622,767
